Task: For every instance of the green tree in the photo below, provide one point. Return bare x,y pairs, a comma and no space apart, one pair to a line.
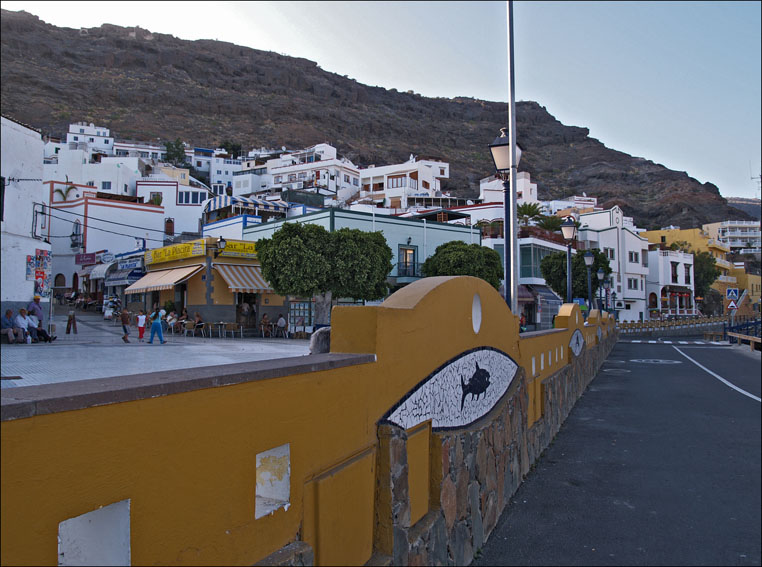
550,223
175,152
457,258
705,273
306,260
553,269
232,148
527,212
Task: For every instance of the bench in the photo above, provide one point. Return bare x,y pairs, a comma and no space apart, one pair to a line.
752,340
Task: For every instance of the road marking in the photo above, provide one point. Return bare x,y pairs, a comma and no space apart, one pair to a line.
684,342
720,378
653,342
667,342
698,342
637,341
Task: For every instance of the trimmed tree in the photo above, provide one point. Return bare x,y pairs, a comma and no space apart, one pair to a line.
457,258
306,260
553,269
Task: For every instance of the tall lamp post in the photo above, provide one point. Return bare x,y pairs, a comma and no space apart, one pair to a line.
503,150
600,273
568,228
606,286
589,257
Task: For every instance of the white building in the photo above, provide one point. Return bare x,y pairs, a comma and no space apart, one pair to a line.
670,285
222,168
97,138
491,189
616,236
403,185
23,212
145,150
85,225
572,205
742,237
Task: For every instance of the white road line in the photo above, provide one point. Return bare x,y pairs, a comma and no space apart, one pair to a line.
684,342
698,342
636,341
653,342
667,342
720,378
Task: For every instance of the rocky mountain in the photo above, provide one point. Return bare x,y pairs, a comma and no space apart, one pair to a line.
146,86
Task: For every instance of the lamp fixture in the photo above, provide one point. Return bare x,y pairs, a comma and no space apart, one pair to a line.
409,240
568,228
589,258
221,243
500,149
600,273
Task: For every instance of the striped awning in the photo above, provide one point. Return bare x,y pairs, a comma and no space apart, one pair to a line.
124,277
246,279
163,279
99,271
223,201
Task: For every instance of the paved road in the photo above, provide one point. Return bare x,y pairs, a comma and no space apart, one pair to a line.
97,351
658,464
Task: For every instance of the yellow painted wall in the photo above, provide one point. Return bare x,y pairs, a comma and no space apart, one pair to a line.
188,461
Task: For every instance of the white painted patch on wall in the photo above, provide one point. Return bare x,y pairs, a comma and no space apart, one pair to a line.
458,393
476,313
100,537
273,490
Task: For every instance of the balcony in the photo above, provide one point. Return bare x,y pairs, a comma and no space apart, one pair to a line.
727,279
723,263
408,272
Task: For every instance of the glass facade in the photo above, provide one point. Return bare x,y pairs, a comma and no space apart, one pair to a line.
531,256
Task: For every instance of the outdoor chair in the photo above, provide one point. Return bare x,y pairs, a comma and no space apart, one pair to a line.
190,327
232,328
280,330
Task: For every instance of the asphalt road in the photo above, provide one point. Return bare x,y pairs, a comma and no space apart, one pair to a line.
657,464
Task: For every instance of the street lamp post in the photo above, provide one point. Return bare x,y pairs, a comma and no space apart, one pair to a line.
568,228
589,257
606,286
503,151
600,273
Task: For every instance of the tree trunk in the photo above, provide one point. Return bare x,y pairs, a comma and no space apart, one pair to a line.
323,308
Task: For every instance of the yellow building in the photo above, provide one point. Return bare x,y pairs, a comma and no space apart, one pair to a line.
752,285
202,275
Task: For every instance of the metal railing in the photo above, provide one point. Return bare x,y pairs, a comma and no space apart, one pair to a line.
408,270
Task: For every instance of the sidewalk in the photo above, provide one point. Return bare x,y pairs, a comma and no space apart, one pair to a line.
97,351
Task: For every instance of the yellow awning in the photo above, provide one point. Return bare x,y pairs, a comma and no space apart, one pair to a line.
240,278
163,279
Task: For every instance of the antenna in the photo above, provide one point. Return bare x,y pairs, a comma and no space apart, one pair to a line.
758,178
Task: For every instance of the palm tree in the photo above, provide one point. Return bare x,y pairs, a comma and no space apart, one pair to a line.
64,192
552,224
527,212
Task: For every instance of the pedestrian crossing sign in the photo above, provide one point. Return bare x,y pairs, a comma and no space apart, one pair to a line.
732,305
731,293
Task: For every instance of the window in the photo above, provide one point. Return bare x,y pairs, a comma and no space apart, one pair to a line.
106,185
355,181
227,172
632,283
125,187
76,138
406,262
609,253
198,163
194,198
91,139
633,257
81,131
644,256
441,171
425,184
687,274
106,142
219,172
154,196
182,176
674,271
346,178
292,176
277,179
394,182
302,175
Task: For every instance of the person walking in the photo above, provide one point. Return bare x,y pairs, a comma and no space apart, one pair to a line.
141,325
156,327
125,325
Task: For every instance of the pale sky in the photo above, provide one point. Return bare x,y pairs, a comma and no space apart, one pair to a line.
679,83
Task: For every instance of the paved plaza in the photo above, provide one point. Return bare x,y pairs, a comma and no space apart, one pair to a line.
97,351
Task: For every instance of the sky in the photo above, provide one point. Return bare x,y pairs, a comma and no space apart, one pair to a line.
678,83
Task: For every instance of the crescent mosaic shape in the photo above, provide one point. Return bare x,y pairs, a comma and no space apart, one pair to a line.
457,393
577,342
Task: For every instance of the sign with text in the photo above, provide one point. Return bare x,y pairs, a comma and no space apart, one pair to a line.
130,264
239,249
176,252
84,259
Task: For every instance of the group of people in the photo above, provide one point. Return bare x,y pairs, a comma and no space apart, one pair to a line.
160,321
266,326
26,327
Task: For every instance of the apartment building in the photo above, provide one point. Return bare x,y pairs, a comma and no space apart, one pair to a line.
491,189
98,138
742,237
614,234
670,284
402,185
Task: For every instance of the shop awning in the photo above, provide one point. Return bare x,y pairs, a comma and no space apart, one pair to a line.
85,272
246,279
525,296
99,271
124,277
223,201
546,294
163,279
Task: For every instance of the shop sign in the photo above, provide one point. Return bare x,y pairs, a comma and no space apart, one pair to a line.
130,264
84,259
107,257
176,252
239,249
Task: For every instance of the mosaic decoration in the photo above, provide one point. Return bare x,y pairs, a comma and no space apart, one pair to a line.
459,392
577,342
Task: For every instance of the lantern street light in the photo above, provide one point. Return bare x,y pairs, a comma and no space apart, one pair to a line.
589,258
568,228
606,286
600,273
503,150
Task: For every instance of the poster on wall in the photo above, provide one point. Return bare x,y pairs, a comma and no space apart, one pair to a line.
41,268
30,261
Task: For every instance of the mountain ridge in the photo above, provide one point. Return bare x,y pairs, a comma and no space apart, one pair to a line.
145,85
